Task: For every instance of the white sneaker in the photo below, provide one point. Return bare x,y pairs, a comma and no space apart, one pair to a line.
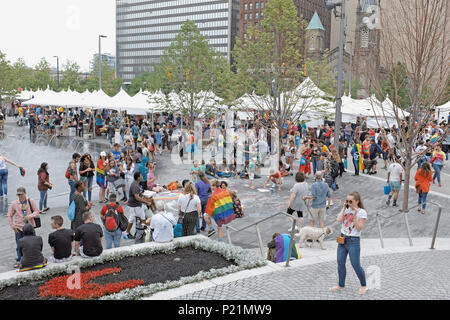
290,229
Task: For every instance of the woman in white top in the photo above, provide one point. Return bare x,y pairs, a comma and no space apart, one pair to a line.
4,175
189,208
353,217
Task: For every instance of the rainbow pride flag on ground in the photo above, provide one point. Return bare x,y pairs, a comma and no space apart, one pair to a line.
282,243
220,207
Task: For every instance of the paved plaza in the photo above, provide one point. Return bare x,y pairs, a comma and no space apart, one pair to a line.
403,275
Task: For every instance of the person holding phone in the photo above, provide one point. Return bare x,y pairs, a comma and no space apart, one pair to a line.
353,217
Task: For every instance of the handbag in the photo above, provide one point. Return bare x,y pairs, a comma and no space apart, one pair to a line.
178,230
387,189
302,161
340,240
37,219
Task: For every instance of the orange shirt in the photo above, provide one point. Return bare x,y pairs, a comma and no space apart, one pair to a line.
423,181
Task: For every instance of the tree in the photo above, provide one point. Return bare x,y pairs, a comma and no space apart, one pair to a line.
189,70
400,77
71,76
22,75
139,83
42,77
6,76
412,33
270,64
110,83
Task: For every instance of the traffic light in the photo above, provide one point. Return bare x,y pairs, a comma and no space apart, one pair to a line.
169,72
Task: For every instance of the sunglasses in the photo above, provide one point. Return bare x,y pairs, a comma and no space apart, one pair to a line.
349,201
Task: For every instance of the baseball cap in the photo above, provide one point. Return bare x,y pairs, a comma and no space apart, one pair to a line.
21,191
103,154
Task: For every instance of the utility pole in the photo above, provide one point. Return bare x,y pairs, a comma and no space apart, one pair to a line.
57,70
338,118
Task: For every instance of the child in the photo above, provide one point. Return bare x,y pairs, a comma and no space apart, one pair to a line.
275,177
60,241
194,171
203,166
297,143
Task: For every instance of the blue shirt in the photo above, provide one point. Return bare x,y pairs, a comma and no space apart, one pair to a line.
320,192
116,154
202,190
158,137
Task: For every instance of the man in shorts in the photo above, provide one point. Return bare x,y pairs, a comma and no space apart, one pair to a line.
394,178
320,193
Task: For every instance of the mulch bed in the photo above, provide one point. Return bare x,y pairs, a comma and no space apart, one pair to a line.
150,268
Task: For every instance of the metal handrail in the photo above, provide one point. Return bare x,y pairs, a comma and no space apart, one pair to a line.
258,233
436,226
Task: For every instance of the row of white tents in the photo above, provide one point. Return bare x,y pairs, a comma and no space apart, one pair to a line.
314,104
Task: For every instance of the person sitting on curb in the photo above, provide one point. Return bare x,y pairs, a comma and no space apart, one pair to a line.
30,247
162,224
91,235
60,241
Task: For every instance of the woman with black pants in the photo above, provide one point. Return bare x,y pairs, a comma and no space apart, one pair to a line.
189,209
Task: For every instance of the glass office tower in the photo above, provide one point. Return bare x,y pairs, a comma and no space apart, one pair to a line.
146,28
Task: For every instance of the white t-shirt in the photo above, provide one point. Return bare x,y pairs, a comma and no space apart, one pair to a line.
186,205
348,225
395,170
162,225
391,140
420,149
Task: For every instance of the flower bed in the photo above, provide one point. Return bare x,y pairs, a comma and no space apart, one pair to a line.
133,272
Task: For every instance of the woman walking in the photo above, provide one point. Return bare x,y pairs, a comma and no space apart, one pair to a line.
87,169
4,175
43,186
438,161
353,217
305,160
203,189
101,176
357,159
189,209
423,179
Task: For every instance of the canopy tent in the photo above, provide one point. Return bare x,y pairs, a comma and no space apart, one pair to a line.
442,112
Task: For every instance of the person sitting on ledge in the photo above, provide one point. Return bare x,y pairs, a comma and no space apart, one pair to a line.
162,223
91,235
30,247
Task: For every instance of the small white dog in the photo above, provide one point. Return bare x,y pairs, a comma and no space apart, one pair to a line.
315,234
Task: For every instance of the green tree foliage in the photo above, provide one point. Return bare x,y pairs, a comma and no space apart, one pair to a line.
6,76
191,68
397,85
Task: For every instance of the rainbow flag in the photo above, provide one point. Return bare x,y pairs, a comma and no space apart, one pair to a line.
220,207
357,148
434,138
282,243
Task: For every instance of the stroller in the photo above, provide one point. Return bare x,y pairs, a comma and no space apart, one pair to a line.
368,165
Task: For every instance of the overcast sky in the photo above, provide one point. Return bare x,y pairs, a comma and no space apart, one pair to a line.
33,29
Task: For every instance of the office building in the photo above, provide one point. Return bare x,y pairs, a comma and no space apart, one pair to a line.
145,29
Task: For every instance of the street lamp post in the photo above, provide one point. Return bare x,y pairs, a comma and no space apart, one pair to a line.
338,119
100,60
57,69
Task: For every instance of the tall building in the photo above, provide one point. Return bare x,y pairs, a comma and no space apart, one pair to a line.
145,29
252,12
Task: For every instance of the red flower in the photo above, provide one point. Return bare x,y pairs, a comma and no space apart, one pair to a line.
63,286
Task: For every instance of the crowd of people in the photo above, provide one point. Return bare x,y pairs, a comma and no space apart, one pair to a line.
128,170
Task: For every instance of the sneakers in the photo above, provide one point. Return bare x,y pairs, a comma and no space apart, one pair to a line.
394,204
128,236
124,199
290,229
388,202
211,232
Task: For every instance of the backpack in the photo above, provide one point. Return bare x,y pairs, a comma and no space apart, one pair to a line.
334,169
67,173
112,220
71,211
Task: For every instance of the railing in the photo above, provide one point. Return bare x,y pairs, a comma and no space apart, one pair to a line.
258,233
436,226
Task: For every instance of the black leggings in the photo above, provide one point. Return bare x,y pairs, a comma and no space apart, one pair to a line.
189,222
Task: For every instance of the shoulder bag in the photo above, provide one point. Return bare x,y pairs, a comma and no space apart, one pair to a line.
37,219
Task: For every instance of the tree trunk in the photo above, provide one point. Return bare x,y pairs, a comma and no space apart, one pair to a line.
406,184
